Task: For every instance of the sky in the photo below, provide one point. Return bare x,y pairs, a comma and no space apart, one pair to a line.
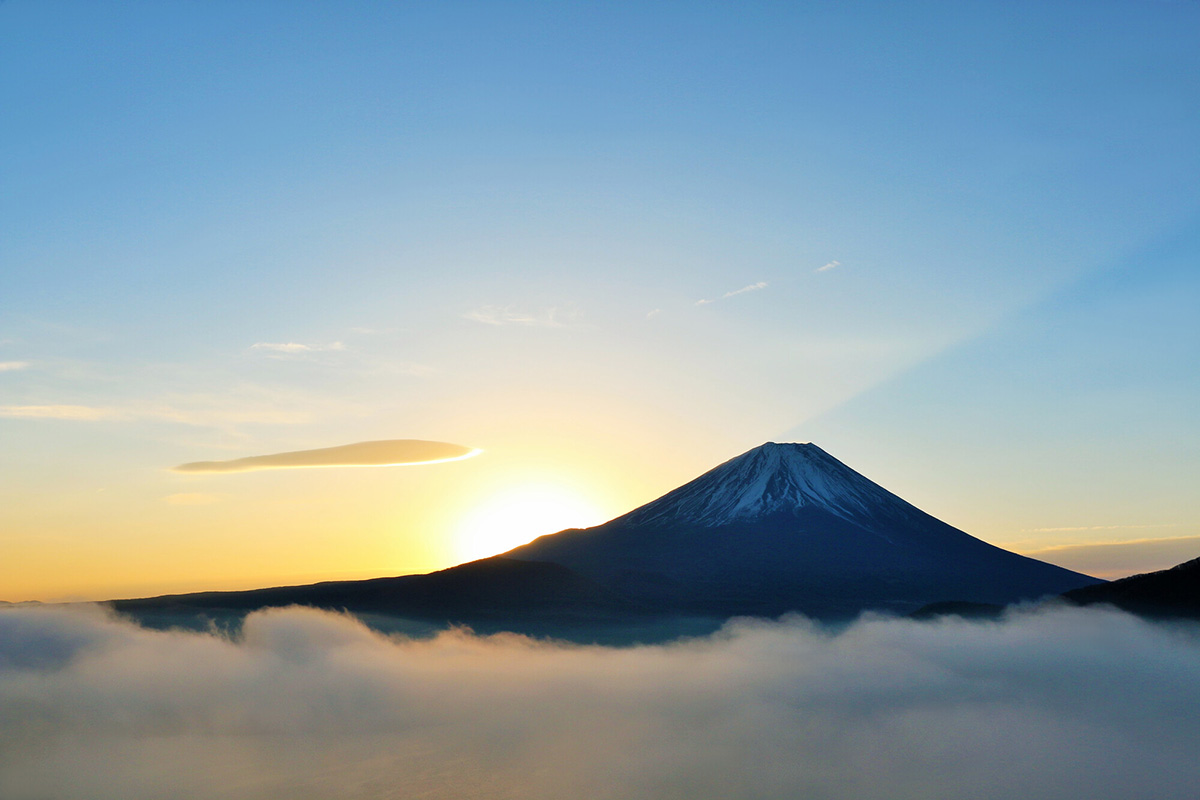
606,245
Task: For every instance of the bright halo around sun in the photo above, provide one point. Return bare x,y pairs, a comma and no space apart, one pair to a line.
521,514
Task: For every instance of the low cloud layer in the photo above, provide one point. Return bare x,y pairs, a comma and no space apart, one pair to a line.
304,704
387,453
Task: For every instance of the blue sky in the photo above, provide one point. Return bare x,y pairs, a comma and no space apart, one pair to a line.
967,235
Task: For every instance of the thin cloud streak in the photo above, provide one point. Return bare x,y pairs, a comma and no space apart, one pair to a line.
12,366
66,412
829,266
199,410
296,348
306,704
1118,559
510,315
754,287
1100,528
386,453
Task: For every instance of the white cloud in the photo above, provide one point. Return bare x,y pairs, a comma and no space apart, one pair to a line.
829,266
552,317
12,366
295,348
754,287
69,412
305,705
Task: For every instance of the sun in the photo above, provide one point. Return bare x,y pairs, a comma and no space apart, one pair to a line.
520,514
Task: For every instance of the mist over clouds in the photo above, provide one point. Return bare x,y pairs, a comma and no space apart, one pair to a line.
304,704
387,453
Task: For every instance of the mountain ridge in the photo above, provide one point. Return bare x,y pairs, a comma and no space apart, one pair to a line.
780,528
789,527
1171,592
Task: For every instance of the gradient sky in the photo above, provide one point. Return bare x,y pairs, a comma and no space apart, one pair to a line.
956,244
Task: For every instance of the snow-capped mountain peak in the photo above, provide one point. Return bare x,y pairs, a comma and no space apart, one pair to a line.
769,479
789,527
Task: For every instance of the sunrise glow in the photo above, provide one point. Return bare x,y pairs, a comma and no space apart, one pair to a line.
515,516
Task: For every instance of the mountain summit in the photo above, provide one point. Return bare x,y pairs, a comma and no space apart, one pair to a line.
769,479
788,527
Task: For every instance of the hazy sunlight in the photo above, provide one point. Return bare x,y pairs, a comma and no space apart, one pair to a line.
518,515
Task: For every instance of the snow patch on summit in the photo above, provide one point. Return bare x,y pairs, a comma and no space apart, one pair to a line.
767,480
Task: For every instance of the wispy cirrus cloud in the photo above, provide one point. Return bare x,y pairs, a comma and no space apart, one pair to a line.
363,330
69,412
1101,528
202,417
280,349
386,453
243,404
754,287
13,366
552,317
828,266
1117,558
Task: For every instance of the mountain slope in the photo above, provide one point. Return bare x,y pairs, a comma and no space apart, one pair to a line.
783,527
788,527
488,589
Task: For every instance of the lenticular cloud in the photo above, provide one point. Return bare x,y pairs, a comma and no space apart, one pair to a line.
385,453
306,704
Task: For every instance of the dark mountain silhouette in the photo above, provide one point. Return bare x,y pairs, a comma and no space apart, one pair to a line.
490,589
787,527
959,608
1173,592
783,527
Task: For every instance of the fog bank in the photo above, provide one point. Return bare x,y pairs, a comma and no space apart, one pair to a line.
1060,703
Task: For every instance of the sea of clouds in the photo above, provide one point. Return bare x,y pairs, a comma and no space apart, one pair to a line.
1052,703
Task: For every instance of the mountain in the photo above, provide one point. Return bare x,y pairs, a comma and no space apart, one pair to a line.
783,527
787,527
1173,592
